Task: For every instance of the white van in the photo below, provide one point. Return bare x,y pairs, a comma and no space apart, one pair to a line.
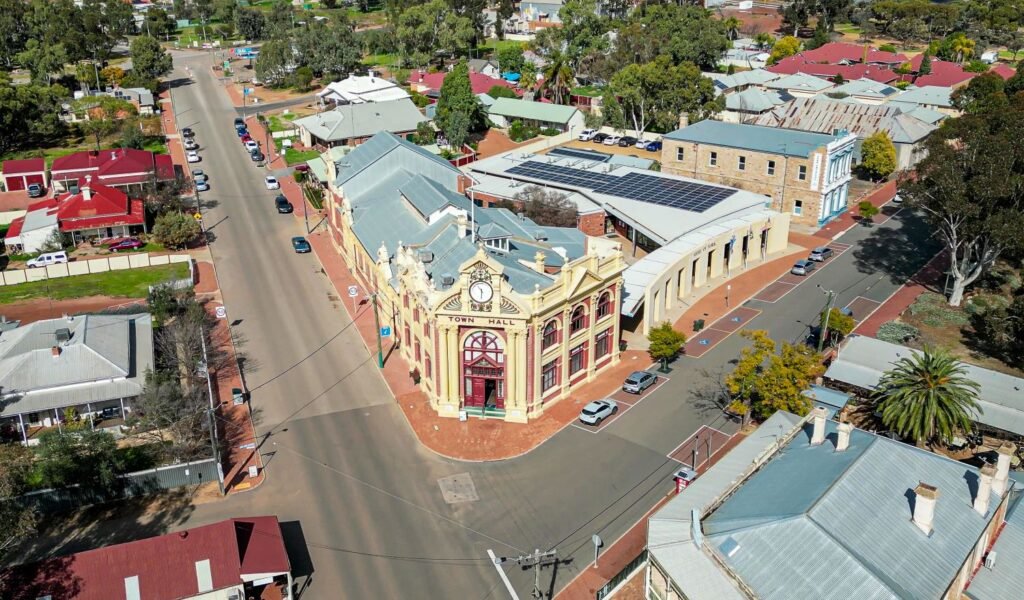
48,258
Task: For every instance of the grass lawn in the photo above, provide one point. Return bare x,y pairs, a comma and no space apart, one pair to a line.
494,45
848,28
372,60
156,144
277,123
130,283
591,91
294,157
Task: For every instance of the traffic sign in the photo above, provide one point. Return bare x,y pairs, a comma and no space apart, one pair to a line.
353,291
198,217
221,312
385,331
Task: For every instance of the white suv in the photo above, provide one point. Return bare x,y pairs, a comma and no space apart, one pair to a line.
587,134
48,258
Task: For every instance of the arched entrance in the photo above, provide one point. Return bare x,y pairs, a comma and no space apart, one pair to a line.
483,369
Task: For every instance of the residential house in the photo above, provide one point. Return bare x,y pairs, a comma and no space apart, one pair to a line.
19,174
429,84
862,361
498,316
843,53
865,91
825,115
239,558
360,89
99,211
802,173
808,508
125,168
799,85
943,73
939,99
353,124
538,114
33,230
693,233
792,65
744,106
94,364
741,80
485,66
140,97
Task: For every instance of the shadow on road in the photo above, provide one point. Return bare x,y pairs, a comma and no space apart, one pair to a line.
897,252
298,555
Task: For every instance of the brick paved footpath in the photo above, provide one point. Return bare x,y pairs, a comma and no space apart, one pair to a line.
620,553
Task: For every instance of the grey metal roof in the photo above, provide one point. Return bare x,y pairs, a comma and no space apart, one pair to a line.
741,78
388,153
867,88
832,400
826,115
799,81
922,113
931,95
753,100
670,530
817,523
349,121
788,142
516,108
862,362
106,358
630,161
428,196
1004,581
491,231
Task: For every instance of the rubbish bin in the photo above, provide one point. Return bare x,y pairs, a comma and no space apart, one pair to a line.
622,345
698,324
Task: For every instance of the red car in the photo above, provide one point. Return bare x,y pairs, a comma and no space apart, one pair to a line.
246,138
302,168
128,244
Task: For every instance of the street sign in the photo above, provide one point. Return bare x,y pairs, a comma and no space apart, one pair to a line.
254,471
353,291
221,312
385,331
198,217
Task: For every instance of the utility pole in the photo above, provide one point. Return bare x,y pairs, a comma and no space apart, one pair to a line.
828,313
537,560
376,320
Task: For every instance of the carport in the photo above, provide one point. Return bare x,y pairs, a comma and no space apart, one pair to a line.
19,174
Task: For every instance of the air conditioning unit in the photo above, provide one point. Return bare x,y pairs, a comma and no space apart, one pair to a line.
990,560
425,256
447,280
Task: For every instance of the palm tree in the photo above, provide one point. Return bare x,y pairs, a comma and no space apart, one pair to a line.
926,397
962,47
558,77
732,27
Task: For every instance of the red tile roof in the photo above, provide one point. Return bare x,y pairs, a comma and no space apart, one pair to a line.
105,207
14,229
837,52
165,565
26,166
480,83
125,165
797,64
1003,70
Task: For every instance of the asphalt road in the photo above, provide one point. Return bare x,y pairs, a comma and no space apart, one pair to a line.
345,473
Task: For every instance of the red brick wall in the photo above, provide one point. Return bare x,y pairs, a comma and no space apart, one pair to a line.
591,224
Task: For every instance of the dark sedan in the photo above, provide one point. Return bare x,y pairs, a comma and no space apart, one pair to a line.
627,141
599,138
300,245
283,205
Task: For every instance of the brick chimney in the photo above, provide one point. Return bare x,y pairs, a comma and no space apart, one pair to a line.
1002,478
55,351
818,416
87,188
924,506
843,436
988,473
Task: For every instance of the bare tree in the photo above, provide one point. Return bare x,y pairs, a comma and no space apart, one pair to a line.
547,207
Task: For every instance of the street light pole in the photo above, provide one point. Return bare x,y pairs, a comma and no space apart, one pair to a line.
828,313
376,320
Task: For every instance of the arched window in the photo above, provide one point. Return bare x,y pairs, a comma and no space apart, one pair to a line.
550,334
579,319
604,305
483,344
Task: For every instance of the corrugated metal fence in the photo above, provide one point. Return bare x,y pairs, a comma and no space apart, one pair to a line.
139,483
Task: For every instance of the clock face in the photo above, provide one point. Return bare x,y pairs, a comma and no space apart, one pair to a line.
480,292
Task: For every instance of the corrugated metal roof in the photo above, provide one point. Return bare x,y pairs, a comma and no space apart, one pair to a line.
790,142
826,115
799,81
349,121
753,100
515,108
380,151
930,95
862,362
1004,581
812,514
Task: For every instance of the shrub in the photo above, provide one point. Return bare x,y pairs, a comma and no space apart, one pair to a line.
933,311
520,132
549,131
896,332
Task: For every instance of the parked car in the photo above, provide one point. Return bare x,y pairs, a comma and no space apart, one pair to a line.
654,146
684,477
802,267
599,138
638,381
612,140
300,245
283,205
820,254
246,138
203,186
187,132
198,175
35,190
239,122
597,411
190,144
587,134
126,244
627,141
252,145
271,182
48,258
241,130
256,156
192,157
897,199
641,143
303,168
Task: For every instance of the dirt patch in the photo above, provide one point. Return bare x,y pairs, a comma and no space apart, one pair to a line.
39,309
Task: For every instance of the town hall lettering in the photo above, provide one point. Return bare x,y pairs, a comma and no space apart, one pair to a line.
474,320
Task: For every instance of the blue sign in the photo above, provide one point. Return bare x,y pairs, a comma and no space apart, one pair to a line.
246,91
385,331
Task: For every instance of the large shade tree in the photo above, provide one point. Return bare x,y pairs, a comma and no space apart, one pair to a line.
971,189
928,398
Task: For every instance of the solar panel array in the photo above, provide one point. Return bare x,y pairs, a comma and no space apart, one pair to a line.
581,154
662,191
